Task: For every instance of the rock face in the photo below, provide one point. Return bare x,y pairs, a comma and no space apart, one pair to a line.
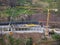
34,36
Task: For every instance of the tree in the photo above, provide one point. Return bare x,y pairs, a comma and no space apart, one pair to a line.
13,12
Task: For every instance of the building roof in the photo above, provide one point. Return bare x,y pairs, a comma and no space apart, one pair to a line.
7,23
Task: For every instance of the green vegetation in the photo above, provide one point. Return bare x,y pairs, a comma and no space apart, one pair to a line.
16,11
2,41
29,41
56,37
44,4
16,41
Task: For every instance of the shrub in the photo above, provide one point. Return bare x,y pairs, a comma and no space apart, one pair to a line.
14,41
56,36
2,41
29,41
11,40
